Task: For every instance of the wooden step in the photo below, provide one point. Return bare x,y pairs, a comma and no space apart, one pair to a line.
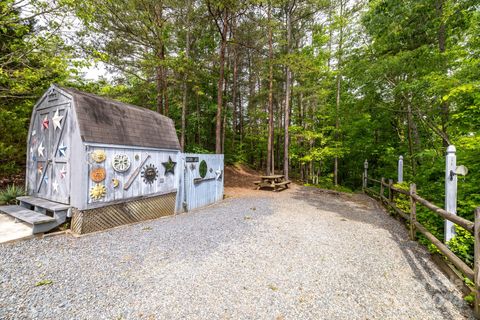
29,216
43,203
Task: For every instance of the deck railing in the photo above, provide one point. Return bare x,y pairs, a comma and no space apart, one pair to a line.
414,226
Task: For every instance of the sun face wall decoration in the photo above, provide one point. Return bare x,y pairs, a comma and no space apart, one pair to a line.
98,156
149,173
98,174
98,191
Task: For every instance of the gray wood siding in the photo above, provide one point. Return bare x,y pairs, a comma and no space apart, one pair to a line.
41,184
164,183
198,193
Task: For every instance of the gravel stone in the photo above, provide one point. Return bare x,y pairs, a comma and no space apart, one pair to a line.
297,254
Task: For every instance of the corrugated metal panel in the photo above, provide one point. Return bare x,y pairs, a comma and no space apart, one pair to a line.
194,191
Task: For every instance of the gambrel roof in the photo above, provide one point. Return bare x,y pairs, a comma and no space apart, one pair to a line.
106,121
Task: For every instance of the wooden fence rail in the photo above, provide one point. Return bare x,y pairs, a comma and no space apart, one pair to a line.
411,217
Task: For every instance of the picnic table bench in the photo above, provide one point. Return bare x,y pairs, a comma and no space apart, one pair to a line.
273,181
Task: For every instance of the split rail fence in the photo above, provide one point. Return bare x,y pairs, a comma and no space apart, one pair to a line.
414,226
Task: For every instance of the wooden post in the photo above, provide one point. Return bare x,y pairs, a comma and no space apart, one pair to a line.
413,211
365,174
476,267
390,193
450,190
382,181
400,169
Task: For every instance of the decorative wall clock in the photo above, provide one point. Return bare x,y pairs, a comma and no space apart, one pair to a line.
98,174
98,191
121,162
149,173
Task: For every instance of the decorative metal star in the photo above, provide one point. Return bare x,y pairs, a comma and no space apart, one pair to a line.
55,186
40,149
56,120
63,172
169,166
45,122
62,150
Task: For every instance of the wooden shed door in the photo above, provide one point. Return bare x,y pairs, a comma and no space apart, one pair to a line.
50,144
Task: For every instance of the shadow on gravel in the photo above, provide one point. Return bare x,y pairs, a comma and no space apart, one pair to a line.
361,208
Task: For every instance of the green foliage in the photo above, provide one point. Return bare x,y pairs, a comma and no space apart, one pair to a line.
463,245
10,194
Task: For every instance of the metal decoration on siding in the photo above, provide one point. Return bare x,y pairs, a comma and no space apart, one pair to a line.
98,191
98,156
98,174
203,169
45,122
40,149
149,173
121,162
169,166
115,183
63,172
57,118
55,186
62,150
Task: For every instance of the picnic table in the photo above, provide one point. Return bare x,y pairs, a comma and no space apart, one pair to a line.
275,182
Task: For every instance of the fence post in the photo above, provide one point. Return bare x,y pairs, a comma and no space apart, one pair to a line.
450,190
382,181
390,193
400,169
476,268
365,174
413,211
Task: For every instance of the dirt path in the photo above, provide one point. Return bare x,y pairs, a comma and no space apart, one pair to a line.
297,254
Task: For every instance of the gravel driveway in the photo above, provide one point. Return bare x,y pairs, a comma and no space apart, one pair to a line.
298,254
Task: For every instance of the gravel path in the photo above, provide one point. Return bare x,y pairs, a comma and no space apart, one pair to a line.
298,254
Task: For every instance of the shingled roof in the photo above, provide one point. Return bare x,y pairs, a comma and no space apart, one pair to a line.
107,121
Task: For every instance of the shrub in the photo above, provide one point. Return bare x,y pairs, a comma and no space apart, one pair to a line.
10,193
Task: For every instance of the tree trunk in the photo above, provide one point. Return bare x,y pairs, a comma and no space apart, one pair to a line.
442,35
410,137
223,44
288,81
185,78
270,95
337,105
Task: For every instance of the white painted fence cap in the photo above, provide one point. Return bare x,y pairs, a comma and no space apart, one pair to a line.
401,157
451,149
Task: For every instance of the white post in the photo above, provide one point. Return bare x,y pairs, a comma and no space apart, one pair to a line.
400,169
365,167
450,190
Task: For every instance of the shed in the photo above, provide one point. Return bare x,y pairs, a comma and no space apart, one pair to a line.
101,161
